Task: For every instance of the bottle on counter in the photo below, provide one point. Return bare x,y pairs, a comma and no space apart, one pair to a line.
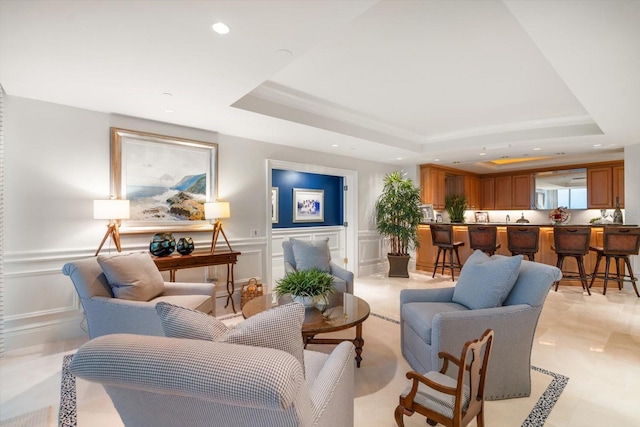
617,213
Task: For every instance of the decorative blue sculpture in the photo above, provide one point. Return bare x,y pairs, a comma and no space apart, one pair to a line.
163,244
185,245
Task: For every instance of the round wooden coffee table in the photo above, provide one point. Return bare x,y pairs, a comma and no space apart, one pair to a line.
343,311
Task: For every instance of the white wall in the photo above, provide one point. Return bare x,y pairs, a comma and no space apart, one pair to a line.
632,195
57,162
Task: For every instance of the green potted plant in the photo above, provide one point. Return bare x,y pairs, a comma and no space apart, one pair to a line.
398,215
306,286
455,206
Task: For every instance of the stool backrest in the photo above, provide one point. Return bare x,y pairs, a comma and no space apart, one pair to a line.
523,239
483,237
441,234
621,240
571,240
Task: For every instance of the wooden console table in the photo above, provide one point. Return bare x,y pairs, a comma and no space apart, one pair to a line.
178,262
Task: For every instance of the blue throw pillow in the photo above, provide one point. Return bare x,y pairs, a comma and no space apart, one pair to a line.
312,254
485,282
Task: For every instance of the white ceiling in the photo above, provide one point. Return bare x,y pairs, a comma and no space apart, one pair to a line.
395,81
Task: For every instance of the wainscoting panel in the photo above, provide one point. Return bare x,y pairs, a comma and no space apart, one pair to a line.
373,253
41,304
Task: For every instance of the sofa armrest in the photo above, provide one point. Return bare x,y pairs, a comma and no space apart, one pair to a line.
343,274
426,295
289,268
332,392
186,288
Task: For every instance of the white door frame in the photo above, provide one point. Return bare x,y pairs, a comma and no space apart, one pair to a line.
350,209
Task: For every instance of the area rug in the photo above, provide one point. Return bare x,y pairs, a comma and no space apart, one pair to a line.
378,383
38,418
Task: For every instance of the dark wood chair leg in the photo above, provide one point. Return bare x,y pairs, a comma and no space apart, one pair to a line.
607,263
559,265
583,274
633,278
451,264
435,266
620,278
595,270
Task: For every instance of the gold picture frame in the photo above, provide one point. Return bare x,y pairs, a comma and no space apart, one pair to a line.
166,179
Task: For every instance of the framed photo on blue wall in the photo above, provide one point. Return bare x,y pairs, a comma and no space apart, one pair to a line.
308,205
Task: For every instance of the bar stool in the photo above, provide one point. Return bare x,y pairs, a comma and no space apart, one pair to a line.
523,240
483,237
442,237
572,242
619,243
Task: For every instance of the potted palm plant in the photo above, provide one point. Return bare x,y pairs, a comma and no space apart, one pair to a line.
398,215
455,205
306,286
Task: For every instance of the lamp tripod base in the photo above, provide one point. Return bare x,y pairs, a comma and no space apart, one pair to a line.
113,231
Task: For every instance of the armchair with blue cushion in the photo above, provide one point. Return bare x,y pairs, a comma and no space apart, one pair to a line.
505,294
307,254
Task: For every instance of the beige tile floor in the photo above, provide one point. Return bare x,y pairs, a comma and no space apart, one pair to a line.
595,341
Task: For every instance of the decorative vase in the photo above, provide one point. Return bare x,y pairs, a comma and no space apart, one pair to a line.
306,301
162,244
185,245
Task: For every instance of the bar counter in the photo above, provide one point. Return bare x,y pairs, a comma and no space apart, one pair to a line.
426,253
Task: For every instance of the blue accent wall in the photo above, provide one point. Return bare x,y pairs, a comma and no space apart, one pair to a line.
286,181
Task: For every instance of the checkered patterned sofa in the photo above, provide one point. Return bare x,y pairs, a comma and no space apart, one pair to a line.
162,381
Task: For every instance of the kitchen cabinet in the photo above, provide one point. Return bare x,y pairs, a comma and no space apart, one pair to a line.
472,192
503,192
522,191
487,193
432,186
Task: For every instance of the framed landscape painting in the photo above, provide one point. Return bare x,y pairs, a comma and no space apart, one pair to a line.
308,205
166,179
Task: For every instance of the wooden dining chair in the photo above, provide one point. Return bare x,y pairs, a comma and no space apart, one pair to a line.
446,400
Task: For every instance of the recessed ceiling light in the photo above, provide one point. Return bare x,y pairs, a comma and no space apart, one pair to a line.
169,110
398,158
221,28
334,145
597,145
483,154
436,160
536,149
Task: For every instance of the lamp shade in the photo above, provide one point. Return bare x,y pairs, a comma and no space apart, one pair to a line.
111,209
217,210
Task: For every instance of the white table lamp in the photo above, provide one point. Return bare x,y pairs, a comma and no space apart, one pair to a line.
216,211
113,210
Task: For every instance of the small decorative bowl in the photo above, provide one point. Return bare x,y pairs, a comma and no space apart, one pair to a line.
185,245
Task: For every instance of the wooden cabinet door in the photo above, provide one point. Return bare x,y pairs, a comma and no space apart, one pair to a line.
472,191
503,192
600,188
432,186
618,185
522,192
487,193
